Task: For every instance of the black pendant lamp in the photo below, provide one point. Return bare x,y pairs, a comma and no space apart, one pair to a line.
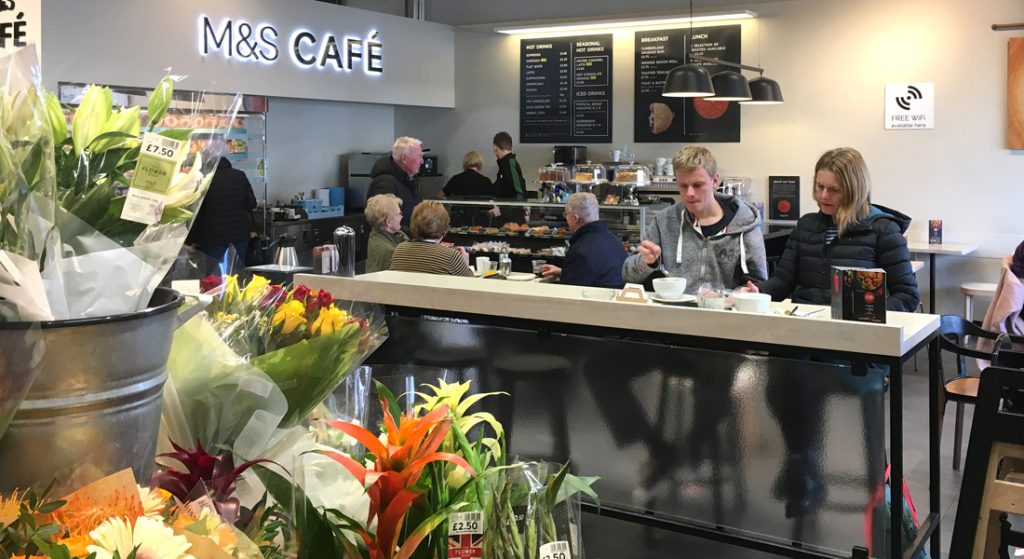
730,86
764,91
688,80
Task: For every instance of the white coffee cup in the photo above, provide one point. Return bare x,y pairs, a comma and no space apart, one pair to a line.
669,288
482,264
617,155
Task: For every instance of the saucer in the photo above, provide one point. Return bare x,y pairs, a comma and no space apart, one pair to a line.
684,298
521,276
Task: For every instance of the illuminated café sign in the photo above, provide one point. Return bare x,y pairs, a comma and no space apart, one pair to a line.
245,42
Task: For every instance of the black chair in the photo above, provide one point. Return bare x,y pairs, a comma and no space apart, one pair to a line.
997,439
963,388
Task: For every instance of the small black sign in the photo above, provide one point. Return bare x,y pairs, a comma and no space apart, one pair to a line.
565,90
784,198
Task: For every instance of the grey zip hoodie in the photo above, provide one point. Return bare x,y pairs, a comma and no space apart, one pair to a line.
727,259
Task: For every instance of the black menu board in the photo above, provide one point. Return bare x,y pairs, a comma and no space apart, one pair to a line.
672,119
565,90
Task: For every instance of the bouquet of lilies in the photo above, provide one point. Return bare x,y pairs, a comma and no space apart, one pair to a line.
93,215
260,359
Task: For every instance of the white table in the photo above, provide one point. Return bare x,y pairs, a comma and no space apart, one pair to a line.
933,250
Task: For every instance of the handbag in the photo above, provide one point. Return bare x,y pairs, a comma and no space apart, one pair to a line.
909,524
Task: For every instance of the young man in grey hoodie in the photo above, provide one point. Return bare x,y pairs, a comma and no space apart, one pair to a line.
706,238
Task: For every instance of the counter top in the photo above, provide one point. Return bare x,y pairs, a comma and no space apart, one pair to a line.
565,304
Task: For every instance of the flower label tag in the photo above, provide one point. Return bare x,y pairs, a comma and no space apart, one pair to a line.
555,550
159,160
465,535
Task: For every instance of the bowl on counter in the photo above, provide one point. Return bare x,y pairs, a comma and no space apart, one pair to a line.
751,302
669,288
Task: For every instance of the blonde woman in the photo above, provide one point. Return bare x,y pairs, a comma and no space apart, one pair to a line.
384,214
847,230
425,253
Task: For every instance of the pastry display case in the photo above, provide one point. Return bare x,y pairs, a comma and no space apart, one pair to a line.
544,234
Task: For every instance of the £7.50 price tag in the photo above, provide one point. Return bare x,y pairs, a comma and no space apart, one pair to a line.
555,550
159,160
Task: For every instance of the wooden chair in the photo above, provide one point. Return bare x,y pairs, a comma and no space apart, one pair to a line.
963,388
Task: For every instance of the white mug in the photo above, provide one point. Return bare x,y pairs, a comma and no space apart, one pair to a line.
616,155
483,264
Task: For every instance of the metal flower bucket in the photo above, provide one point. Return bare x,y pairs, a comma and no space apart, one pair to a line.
94,409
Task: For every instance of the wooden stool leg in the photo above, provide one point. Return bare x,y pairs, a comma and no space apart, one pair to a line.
957,435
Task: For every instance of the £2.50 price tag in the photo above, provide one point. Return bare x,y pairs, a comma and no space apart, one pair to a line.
555,550
159,160
465,535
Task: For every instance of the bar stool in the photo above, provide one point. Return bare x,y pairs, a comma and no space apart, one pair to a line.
973,289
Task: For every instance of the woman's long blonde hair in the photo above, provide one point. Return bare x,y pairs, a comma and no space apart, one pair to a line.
847,164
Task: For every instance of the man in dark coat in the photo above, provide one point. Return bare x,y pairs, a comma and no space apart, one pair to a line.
595,255
225,217
398,174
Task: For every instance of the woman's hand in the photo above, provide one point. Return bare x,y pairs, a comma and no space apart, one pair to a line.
749,288
463,254
649,251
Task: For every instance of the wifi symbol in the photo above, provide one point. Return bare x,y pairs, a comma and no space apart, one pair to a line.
912,93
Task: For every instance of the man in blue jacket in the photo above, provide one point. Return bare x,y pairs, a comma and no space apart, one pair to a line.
595,255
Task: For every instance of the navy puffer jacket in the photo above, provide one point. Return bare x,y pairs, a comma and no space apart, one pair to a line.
804,272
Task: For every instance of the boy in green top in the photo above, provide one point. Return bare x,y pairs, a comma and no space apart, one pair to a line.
510,183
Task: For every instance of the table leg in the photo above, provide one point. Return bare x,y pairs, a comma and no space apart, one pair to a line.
896,458
931,283
934,434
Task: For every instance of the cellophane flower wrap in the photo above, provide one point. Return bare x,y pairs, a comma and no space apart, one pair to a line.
26,226
27,189
68,250
110,264
259,360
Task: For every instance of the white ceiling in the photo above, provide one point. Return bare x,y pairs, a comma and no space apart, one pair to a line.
475,12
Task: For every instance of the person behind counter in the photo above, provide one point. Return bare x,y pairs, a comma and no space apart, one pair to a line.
509,184
398,174
384,214
706,238
425,254
847,230
224,219
595,255
470,182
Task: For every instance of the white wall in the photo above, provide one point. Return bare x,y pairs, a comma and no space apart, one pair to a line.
131,43
832,59
305,139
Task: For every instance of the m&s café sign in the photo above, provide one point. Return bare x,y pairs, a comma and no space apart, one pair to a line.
264,43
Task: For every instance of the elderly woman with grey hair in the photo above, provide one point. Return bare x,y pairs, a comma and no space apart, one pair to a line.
384,214
595,255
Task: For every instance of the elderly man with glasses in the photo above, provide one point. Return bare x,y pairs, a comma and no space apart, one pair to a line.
595,255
